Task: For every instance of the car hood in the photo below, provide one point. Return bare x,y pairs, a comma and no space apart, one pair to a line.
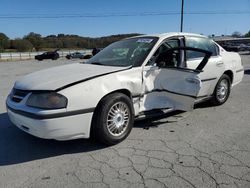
59,77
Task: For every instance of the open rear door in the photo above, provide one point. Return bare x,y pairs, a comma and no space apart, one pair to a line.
167,84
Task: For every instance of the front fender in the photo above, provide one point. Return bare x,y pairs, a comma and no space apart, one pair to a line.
88,94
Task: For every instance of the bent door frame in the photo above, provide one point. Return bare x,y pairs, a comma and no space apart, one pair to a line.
164,88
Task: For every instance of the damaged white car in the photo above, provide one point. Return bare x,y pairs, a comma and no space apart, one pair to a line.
129,79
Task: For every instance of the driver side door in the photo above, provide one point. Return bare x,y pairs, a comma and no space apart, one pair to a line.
169,85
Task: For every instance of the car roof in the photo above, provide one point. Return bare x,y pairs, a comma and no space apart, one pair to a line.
171,34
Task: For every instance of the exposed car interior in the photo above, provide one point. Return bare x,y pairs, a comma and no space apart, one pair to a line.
168,59
164,57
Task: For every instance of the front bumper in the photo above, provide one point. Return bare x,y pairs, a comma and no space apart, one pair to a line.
66,127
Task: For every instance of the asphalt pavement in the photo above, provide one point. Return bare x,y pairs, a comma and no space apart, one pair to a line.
206,147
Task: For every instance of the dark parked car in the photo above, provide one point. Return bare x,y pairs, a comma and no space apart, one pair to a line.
88,56
75,55
48,55
96,50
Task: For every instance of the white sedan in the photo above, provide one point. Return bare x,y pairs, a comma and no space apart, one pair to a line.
129,79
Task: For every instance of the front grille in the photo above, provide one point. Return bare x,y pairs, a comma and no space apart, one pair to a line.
18,95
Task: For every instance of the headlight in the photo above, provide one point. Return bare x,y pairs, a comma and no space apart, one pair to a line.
47,100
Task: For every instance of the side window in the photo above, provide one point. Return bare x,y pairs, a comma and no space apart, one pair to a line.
168,44
201,43
163,58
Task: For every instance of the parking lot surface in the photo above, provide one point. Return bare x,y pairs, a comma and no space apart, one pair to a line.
206,147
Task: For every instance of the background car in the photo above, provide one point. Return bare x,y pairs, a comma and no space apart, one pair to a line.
244,47
96,51
236,47
75,55
54,55
88,56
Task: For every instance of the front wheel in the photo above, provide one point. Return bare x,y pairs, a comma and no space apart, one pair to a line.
222,90
113,119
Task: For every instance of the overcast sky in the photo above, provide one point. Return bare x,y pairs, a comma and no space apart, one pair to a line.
96,18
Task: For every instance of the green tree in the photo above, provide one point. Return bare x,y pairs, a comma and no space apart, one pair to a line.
72,41
4,42
236,34
21,45
247,34
52,41
35,39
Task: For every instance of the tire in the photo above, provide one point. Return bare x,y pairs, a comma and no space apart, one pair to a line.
87,56
38,58
222,90
113,119
55,57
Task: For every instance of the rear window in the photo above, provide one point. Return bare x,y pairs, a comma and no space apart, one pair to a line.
201,43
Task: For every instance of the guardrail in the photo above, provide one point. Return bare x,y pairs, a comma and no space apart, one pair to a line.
31,55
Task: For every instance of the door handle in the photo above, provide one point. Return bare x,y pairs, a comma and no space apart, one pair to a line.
192,80
219,63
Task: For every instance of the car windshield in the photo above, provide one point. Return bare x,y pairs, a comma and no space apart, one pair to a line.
128,52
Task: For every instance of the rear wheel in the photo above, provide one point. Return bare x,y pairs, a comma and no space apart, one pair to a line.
113,119
222,90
